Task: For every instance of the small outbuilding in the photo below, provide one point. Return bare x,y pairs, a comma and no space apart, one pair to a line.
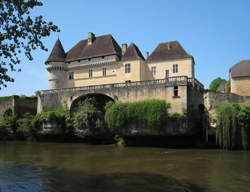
240,78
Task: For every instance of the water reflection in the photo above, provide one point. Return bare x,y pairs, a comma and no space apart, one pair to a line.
79,167
29,178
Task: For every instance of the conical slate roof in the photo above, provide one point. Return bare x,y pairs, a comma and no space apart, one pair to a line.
57,54
132,53
168,51
241,69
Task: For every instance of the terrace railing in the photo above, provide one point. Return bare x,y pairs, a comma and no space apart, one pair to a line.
170,81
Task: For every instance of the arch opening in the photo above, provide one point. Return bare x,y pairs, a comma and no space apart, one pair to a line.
100,101
88,113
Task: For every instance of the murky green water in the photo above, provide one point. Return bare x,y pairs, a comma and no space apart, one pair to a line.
80,167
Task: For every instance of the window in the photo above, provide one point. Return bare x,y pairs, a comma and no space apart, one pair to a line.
175,68
166,74
71,75
104,70
90,73
153,69
127,68
175,91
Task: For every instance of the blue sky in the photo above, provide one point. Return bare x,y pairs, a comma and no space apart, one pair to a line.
215,32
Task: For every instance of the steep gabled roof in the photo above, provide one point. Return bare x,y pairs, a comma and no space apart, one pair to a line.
168,51
241,69
132,53
57,54
101,46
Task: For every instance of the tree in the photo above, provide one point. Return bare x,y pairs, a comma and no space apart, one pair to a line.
215,84
19,32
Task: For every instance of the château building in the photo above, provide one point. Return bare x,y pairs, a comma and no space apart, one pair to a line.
98,65
100,60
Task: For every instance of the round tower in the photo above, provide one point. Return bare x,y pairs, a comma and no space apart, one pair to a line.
56,66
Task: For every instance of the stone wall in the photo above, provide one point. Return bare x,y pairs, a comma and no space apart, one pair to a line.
20,105
25,105
213,100
5,104
173,127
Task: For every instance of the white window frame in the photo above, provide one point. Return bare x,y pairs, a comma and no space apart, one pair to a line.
127,68
175,68
153,69
104,71
90,73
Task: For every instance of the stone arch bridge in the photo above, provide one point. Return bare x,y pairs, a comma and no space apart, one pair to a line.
181,92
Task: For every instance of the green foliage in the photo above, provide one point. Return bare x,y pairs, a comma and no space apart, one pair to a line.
151,113
88,118
6,98
116,115
24,125
20,31
175,115
37,93
10,121
215,84
233,126
228,87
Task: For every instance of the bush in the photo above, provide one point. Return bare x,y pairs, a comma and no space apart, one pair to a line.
24,125
233,128
116,115
61,116
151,113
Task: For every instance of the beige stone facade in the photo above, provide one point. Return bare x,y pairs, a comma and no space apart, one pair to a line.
240,78
240,86
68,71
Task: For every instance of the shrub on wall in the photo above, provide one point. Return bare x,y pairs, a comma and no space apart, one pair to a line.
24,126
60,116
151,113
233,128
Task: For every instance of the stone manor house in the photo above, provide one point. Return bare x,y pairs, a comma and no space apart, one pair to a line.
167,73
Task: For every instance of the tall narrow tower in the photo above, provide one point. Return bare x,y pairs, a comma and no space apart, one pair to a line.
56,66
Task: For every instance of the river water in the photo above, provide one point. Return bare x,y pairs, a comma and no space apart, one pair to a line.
60,167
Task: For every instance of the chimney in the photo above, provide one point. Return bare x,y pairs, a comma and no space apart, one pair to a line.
169,46
91,38
147,54
124,48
